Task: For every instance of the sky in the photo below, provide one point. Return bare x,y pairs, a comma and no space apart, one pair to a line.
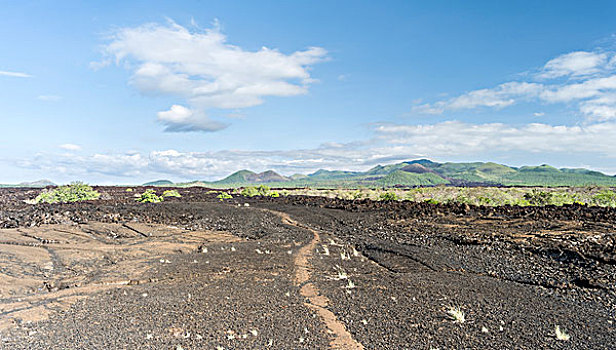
123,92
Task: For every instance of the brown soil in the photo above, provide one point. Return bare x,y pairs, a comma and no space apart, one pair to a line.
48,268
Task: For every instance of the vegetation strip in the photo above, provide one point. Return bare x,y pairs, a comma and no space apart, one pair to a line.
317,301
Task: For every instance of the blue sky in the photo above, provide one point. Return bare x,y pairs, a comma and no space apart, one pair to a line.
124,92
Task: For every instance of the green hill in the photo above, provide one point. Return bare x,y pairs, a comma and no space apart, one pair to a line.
158,183
421,172
404,178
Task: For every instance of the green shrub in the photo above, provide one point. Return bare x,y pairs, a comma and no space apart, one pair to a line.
431,201
75,192
129,190
171,193
562,198
388,196
249,191
356,195
536,197
274,194
606,198
486,200
263,190
252,191
224,195
150,196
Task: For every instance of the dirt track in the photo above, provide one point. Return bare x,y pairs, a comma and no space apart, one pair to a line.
302,273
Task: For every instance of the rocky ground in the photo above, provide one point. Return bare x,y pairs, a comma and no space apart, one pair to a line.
303,273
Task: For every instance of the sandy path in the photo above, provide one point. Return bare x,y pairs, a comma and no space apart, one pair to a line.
342,339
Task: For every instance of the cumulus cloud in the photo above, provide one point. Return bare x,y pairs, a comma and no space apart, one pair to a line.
457,138
589,86
49,98
180,119
499,97
70,147
14,74
391,143
206,71
576,64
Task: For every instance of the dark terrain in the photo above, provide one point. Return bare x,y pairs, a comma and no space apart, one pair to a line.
302,273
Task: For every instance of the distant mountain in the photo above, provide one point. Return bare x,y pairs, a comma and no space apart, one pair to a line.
39,183
36,184
158,183
250,177
424,172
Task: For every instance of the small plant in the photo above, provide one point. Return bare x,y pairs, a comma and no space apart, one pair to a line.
129,190
150,196
224,195
325,250
605,198
431,201
340,274
540,198
249,191
172,193
75,192
560,334
388,196
261,190
456,314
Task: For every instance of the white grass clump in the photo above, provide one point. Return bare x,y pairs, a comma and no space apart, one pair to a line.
456,314
340,274
325,250
560,334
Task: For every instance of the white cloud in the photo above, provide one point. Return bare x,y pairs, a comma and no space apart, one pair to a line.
15,74
589,89
538,114
601,108
49,98
205,70
392,143
457,138
70,147
502,96
576,64
179,119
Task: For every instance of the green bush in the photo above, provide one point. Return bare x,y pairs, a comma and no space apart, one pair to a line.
263,190
249,191
171,193
274,194
605,198
224,195
431,201
252,191
75,192
150,196
536,197
388,196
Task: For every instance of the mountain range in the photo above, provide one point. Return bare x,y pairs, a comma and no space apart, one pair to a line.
421,172
33,184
